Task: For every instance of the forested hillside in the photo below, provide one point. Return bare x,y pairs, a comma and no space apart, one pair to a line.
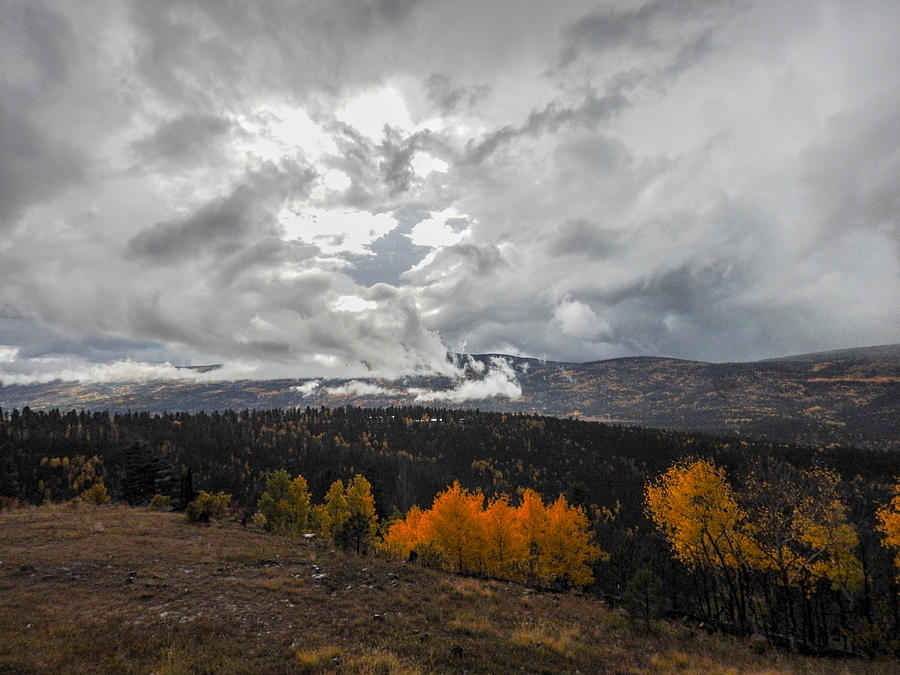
410,454
848,397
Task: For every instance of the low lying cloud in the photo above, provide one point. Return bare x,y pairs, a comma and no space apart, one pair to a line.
357,388
306,388
8,354
50,369
500,381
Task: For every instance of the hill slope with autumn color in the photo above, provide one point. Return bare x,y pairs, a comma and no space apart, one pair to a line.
119,589
849,397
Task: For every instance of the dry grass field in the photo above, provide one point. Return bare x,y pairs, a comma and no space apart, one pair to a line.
112,589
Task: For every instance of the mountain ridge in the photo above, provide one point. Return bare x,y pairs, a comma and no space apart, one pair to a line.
846,396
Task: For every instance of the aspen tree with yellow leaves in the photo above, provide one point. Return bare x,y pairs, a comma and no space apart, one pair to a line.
805,545
695,508
348,516
361,524
783,542
284,505
889,525
331,514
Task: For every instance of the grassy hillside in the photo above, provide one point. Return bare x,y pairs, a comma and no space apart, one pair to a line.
117,589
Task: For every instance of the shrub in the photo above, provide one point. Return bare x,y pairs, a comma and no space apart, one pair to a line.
11,503
208,506
161,502
315,660
96,494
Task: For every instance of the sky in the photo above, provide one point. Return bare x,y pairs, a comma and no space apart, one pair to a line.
355,189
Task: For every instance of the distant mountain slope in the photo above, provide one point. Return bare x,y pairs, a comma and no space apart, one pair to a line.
849,396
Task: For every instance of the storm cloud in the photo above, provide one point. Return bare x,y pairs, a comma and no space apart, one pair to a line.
322,190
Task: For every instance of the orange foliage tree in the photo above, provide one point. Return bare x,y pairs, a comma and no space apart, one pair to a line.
566,546
403,535
503,541
533,543
452,525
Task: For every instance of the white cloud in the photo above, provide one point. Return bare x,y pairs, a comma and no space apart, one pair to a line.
424,164
353,303
435,232
8,354
306,388
500,381
578,320
357,388
336,180
70,369
370,112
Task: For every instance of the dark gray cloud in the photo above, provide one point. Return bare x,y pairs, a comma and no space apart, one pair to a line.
188,138
449,97
34,166
589,111
224,226
645,26
40,43
200,54
217,229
